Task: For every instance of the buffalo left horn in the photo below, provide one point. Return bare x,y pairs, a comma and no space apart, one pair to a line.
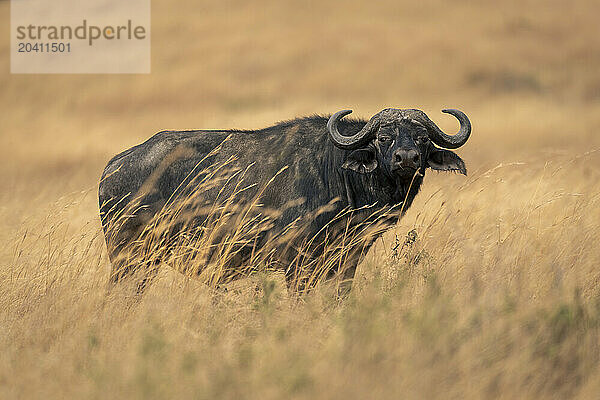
450,141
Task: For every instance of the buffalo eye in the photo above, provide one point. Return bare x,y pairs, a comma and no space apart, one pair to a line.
421,139
384,139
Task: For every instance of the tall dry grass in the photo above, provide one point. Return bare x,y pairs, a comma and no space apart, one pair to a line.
488,287
474,297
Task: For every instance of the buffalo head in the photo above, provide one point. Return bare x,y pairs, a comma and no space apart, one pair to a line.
401,143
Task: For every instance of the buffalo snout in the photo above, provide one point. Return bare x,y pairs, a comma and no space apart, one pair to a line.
406,158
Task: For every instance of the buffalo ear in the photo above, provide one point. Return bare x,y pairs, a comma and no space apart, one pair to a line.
445,160
362,161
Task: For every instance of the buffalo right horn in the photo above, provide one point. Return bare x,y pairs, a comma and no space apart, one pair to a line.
348,142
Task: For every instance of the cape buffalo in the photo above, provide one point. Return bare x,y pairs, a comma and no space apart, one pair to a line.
323,175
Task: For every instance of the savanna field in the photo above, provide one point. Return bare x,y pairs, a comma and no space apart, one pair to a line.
489,286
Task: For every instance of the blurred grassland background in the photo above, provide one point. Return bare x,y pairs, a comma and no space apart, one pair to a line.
497,296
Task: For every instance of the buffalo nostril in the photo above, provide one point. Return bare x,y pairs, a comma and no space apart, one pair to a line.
415,158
